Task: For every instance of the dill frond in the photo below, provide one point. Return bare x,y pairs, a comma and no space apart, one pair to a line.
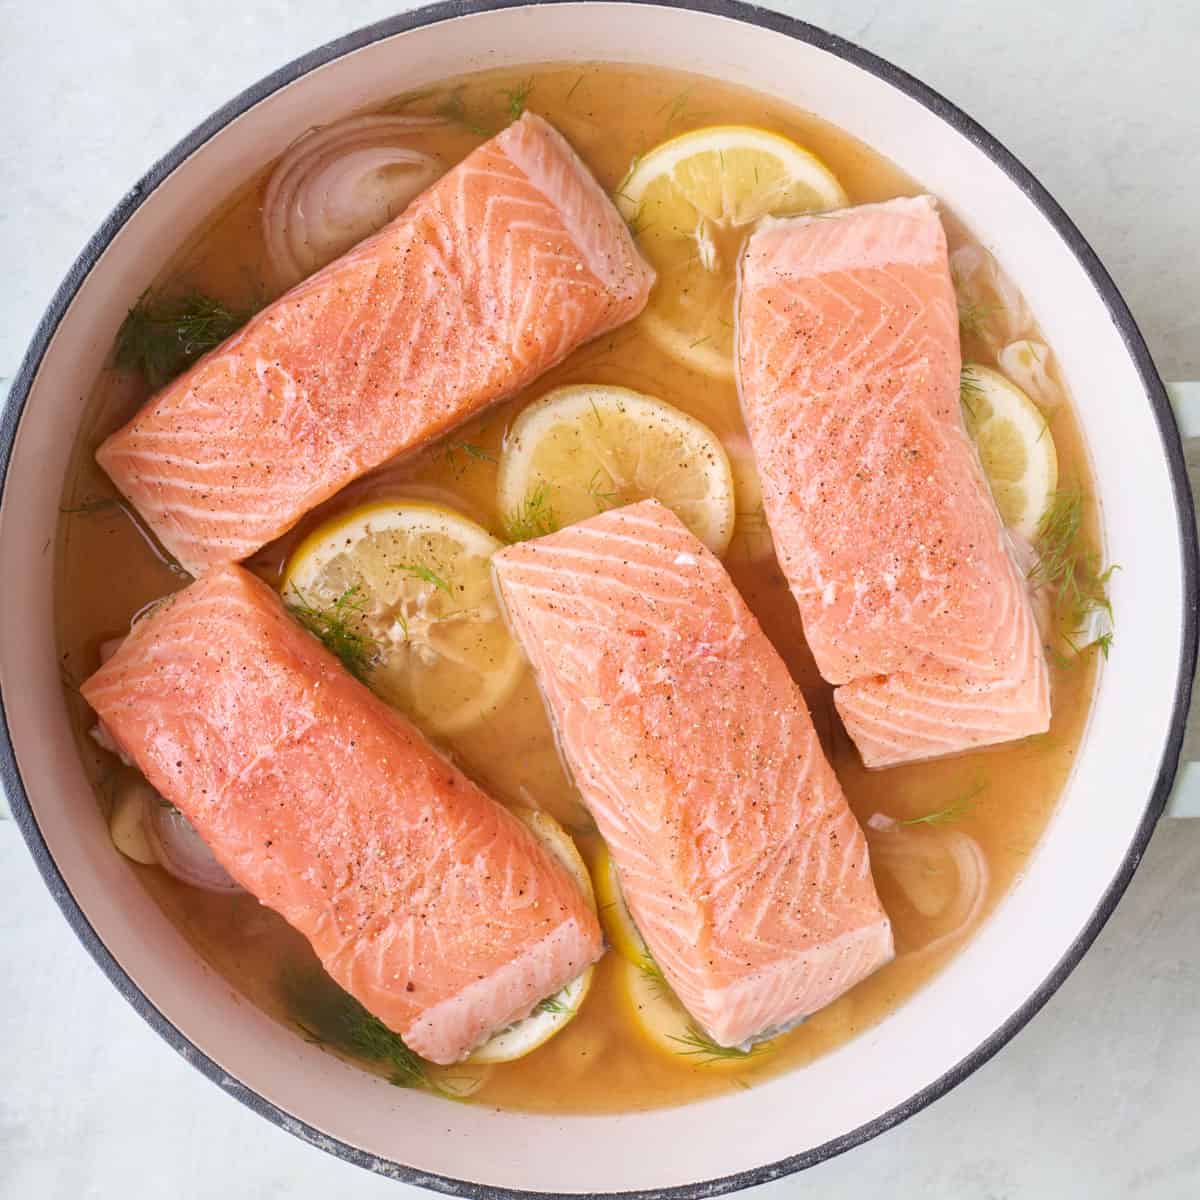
697,1044
339,627
973,315
477,452
1072,571
454,108
93,505
970,392
654,975
534,517
328,1016
679,108
955,810
604,500
753,520
638,223
633,166
427,575
573,88
551,1004
517,97
161,338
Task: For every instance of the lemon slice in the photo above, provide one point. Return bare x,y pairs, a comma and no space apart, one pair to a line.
691,203
1015,446
403,593
615,916
557,1011
668,1027
655,1012
581,450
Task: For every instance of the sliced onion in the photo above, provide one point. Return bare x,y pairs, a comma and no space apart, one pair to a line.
336,185
127,822
983,287
894,843
180,849
1027,364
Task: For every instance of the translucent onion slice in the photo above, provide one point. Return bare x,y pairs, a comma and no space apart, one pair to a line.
1027,364
989,303
180,849
911,855
336,185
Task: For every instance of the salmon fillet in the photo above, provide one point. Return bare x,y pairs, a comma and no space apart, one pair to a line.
884,525
488,279
741,862
425,899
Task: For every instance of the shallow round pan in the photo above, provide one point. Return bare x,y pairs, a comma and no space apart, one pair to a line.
1040,930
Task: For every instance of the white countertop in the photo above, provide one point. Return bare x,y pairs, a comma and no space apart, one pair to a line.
1099,1096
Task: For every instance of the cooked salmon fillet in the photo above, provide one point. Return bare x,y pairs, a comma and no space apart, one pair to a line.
489,278
424,898
741,862
882,518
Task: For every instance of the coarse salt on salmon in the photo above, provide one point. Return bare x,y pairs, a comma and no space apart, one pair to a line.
882,518
425,899
741,862
498,271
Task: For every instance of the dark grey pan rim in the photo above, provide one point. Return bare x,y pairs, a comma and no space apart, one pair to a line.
1172,450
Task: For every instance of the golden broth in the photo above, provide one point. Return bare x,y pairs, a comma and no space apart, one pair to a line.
107,571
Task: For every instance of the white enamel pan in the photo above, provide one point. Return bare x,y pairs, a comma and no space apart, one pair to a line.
1118,791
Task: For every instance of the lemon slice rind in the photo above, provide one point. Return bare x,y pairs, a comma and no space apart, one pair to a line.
557,1011
1015,447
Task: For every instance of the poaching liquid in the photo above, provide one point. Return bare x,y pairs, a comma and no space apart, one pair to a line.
107,571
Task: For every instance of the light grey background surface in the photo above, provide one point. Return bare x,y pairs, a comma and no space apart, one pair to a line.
1100,1096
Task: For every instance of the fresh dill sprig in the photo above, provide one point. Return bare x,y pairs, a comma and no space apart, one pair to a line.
534,517
638,223
517,97
653,974
697,1044
328,1016
551,1004
603,499
970,391
427,575
162,337
972,315
956,809
679,108
93,505
477,452
339,626
752,520
1072,572
454,108
633,166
